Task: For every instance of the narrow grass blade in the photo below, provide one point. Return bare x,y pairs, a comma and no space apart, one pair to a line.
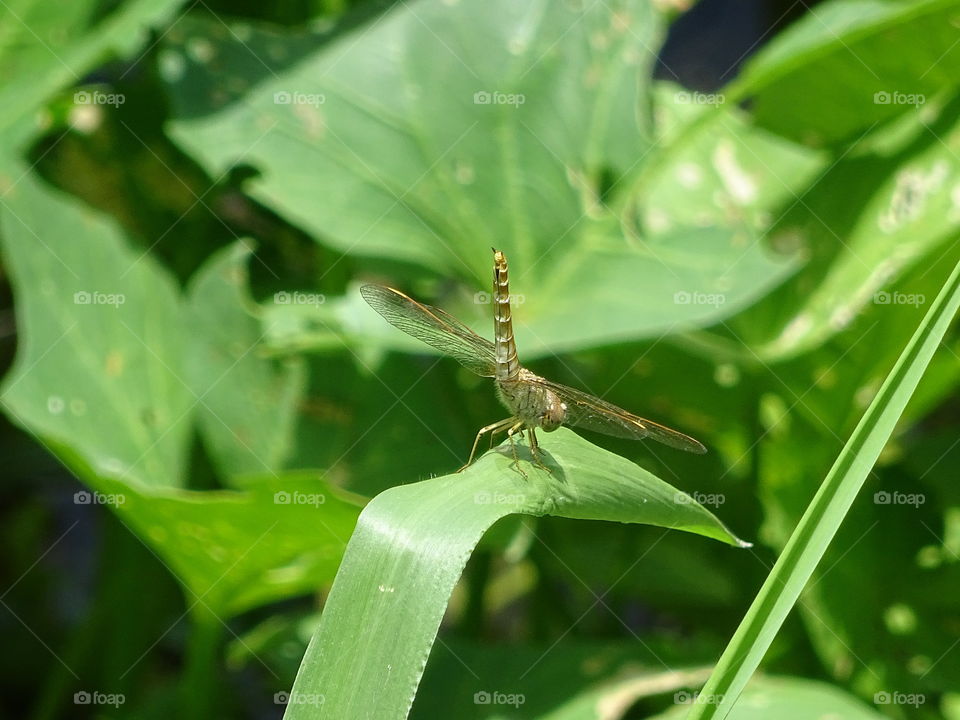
827,510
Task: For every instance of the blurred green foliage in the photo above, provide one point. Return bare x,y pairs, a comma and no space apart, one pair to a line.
190,196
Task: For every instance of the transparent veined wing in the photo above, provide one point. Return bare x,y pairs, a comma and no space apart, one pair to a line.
592,413
434,327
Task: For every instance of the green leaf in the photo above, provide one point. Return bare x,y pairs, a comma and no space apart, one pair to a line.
854,63
282,537
827,510
41,51
327,124
99,380
867,221
407,164
101,340
728,173
412,542
247,402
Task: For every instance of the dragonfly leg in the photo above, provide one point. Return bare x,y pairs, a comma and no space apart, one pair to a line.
535,450
518,426
491,428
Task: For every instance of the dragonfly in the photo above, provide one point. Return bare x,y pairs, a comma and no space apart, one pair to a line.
534,402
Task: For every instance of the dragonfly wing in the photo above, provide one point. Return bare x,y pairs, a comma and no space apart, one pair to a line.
434,327
592,413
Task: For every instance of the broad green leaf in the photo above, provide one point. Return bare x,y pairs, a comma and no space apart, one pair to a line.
247,403
826,512
412,542
412,163
860,242
728,173
576,306
849,64
278,537
101,340
283,536
465,98
42,52
99,380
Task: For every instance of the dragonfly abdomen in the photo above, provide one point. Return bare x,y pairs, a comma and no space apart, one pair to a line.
508,366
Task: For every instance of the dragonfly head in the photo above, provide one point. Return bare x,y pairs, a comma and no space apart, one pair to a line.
554,413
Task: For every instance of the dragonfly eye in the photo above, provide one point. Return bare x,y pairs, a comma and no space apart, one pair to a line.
553,416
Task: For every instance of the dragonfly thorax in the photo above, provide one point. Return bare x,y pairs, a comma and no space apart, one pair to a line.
535,404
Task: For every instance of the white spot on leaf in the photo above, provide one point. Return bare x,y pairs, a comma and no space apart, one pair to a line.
735,179
690,175
172,65
200,50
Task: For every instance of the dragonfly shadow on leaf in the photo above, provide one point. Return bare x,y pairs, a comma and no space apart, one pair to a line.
521,455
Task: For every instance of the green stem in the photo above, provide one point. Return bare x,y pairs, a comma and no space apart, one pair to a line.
200,695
